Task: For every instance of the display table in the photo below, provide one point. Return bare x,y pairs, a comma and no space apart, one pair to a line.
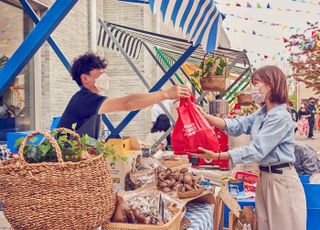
200,215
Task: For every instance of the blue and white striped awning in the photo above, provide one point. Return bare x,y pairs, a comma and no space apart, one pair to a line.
199,20
130,44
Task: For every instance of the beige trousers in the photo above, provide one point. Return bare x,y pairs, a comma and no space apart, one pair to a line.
280,201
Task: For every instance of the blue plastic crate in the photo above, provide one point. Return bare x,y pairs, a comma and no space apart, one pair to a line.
12,137
305,179
242,203
312,192
313,219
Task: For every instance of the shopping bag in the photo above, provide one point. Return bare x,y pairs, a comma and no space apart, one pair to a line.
192,130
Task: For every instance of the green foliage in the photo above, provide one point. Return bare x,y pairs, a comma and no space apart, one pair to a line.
207,65
71,149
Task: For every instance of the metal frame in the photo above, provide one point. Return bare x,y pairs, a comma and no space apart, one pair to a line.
115,132
157,86
34,41
46,36
133,66
177,65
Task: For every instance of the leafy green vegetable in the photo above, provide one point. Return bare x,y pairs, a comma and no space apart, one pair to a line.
72,149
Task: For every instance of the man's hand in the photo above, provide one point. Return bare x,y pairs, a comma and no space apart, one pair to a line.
177,92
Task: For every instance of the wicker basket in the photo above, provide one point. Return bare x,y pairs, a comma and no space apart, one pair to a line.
56,195
190,194
212,83
245,99
174,224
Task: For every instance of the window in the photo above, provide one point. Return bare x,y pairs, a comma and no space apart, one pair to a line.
17,102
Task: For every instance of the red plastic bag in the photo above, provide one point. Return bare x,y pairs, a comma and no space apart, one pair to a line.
192,130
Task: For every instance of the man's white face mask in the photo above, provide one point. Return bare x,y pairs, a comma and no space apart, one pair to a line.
102,83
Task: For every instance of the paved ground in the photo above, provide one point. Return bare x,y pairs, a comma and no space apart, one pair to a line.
315,143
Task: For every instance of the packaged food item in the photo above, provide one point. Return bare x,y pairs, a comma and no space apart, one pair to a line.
147,206
142,177
143,163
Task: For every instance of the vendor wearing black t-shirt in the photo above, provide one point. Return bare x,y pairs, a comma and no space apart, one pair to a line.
86,105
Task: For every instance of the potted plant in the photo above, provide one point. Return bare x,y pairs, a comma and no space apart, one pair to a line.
244,98
212,74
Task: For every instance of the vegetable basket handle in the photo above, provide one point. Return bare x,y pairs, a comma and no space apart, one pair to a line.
52,141
69,131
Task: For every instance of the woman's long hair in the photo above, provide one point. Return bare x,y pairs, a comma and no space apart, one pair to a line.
162,124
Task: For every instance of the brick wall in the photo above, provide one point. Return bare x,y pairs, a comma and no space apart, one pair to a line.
72,36
123,80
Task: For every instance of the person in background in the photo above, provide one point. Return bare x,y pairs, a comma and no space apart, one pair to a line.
293,113
86,105
307,160
311,110
160,126
156,110
280,198
303,123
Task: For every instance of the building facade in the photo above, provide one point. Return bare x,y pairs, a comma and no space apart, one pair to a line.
44,87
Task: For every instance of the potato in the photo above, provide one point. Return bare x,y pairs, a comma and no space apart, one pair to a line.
162,184
166,189
178,186
183,170
187,179
168,173
188,187
181,177
167,181
172,182
176,175
196,179
161,176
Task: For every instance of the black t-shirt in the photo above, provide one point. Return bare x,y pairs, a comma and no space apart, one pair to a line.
293,114
83,110
302,113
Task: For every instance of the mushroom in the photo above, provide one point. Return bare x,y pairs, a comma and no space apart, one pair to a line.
183,170
187,179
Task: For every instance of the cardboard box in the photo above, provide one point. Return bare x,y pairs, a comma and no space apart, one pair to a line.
126,148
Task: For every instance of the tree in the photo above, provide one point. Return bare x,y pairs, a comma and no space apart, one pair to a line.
305,56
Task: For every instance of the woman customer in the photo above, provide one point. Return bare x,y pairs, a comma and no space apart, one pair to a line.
303,123
280,198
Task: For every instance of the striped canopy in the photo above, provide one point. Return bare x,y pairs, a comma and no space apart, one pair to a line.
130,44
199,20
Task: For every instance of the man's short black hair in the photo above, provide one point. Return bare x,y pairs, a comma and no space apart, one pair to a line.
84,64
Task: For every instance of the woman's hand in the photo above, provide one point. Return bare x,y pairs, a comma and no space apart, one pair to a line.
200,109
208,154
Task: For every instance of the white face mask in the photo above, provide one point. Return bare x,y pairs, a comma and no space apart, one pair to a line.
102,83
257,96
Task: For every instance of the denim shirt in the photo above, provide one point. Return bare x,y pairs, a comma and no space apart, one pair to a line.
272,136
